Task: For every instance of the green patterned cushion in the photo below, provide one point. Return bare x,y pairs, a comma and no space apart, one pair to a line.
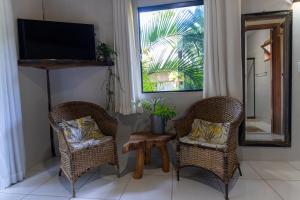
82,133
209,132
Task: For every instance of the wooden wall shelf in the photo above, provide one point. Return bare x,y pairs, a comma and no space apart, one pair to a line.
48,65
62,64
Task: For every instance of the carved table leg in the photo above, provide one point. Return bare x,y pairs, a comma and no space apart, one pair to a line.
148,154
165,156
139,165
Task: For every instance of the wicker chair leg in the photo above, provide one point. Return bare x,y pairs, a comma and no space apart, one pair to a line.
226,175
116,159
59,173
240,171
118,170
73,190
178,160
226,191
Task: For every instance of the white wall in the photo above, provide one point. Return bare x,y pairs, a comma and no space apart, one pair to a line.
33,96
81,83
251,6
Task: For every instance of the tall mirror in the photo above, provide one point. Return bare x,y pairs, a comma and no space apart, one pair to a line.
266,39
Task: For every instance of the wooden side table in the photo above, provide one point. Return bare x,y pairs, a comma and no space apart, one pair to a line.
142,143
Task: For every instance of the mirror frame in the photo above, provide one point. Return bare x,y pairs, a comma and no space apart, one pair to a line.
287,94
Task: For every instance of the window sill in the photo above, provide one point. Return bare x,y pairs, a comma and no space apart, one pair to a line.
175,92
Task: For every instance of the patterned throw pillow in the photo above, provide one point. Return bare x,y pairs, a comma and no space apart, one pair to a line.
209,132
82,129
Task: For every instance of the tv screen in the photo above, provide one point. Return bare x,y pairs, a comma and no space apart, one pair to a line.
56,40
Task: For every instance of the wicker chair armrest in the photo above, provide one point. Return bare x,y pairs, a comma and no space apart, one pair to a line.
64,145
109,127
232,136
54,126
182,126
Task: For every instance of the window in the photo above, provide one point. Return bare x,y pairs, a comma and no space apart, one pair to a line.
172,49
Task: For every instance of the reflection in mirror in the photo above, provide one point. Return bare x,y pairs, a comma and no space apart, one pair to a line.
266,78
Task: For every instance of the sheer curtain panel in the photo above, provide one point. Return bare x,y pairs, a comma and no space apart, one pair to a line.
223,63
12,158
127,86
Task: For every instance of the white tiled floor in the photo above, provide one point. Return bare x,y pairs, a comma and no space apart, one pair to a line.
260,181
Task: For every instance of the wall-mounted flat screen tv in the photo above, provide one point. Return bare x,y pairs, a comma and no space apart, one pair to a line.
56,40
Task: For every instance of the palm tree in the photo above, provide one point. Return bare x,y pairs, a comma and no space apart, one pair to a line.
172,41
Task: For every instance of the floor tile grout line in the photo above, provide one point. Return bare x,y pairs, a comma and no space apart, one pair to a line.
86,198
45,195
220,186
174,180
15,193
172,187
243,178
163,175
85,182
130,179
266,181
44,182
251,165
276,179
88,179
38,195
293,167
30,191
125,187
23,197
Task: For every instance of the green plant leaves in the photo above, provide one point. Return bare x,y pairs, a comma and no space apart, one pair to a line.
158,108
104,52
172,41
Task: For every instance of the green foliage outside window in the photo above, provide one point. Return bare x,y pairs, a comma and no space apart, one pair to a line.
172,49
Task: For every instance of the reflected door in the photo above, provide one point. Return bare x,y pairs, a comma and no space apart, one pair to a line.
250,88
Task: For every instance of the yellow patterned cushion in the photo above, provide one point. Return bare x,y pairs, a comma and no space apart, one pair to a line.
89,127
209,132
80,130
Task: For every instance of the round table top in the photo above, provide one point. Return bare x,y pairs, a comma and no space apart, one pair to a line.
138,139
149,136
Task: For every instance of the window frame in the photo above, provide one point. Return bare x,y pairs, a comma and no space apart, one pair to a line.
159,7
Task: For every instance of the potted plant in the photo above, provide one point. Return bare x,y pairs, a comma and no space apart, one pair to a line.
160,113
104,52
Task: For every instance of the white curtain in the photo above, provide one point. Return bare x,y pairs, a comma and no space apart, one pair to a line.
127,86
223,63
12,158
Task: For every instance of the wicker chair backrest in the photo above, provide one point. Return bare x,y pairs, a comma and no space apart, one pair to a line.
217,110
74,110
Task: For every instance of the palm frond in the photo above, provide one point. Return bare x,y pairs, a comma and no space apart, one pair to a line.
172,41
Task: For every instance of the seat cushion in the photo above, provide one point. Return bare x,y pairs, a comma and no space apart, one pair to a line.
82,132
89,143
208,133
199,142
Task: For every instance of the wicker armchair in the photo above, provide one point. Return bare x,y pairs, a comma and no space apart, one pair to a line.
223,161
76,163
